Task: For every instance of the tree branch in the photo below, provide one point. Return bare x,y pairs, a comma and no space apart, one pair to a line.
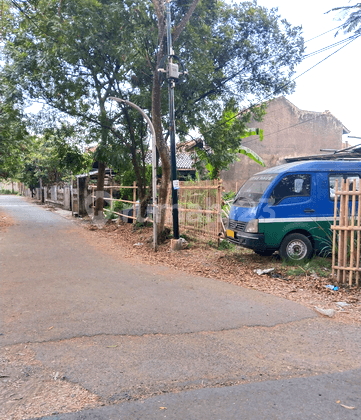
178,30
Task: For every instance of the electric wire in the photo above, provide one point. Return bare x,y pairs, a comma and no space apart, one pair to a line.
283,129
285,85
329,47
330,30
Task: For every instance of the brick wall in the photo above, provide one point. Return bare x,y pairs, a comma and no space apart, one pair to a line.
288,131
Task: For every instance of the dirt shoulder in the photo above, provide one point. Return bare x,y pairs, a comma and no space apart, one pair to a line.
5,221
303,284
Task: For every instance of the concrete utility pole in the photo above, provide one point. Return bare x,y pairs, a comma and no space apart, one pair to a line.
172,74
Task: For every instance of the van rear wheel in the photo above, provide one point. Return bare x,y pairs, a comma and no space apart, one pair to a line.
296,247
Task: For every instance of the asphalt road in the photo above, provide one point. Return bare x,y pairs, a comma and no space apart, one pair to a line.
130,333
292,399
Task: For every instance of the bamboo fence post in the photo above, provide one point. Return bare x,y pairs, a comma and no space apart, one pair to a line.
341,233
219,207
334,230
111,199
352,233
134,200
182,203
346,234
358,234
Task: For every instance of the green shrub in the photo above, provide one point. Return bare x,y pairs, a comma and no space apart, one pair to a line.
118,206
226,245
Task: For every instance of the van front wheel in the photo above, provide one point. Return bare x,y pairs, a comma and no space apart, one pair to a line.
296,247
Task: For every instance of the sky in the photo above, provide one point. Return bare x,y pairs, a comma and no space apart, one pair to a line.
334,84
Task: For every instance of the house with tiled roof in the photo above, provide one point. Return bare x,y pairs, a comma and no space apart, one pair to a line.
185,163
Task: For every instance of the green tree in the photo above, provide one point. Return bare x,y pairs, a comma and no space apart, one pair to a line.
352,17
231,51
13,135
74,55
223,140
52,159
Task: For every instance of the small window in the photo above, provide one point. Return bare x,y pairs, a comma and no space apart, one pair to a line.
291,186
353,179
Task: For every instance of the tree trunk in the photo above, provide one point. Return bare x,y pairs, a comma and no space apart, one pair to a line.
99,203
163,151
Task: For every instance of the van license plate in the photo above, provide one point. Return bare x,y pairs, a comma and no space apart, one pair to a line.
230,233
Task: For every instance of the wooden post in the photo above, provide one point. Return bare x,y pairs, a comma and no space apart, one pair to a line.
134,200
71,193
219,209
111,199
334,230
341,233
345,232
358,234
352,234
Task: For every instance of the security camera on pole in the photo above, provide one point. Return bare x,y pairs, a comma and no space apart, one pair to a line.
172,74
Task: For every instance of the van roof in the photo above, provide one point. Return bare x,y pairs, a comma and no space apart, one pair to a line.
315,166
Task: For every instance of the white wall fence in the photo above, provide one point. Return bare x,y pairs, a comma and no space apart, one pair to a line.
10,185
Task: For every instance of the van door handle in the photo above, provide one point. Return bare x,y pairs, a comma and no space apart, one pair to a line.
308,210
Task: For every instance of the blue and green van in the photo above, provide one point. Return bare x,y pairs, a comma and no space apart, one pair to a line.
289,208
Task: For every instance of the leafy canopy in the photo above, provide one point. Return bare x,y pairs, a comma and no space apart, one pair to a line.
53,159
74,54
352,16
223,140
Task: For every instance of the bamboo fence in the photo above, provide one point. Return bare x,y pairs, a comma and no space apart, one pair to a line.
199,206
113,188
346,233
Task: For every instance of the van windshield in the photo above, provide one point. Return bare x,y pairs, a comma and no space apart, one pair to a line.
249,195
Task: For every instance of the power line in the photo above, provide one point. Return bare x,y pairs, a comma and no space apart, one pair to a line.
329,46
323,33
283,129
353,39
288,83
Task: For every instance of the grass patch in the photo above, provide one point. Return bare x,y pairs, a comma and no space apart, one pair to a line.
321,266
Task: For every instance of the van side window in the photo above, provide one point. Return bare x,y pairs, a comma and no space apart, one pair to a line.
332,183
291,186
